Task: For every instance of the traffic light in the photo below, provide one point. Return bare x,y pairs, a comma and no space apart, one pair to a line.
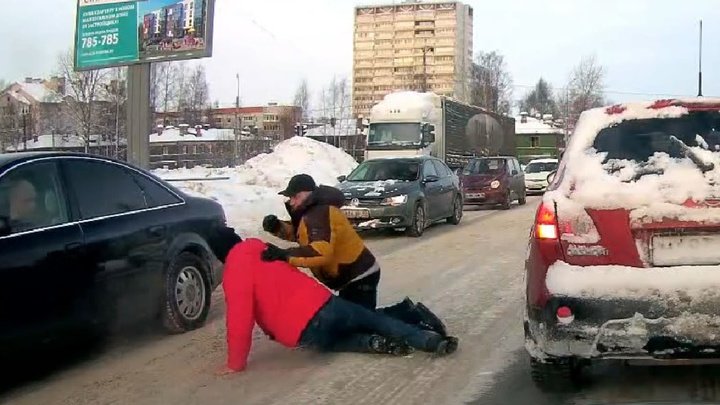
300,129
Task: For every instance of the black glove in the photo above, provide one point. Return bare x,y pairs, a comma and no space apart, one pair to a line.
274,253
222,241
271,224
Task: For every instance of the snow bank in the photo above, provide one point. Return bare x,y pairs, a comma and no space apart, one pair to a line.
607,282
655,196
251,192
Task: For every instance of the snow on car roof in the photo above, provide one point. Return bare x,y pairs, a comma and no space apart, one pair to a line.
543,160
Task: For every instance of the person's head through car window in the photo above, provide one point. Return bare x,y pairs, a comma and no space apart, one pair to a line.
23,202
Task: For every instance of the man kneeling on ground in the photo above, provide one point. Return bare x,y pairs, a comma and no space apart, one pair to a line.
297,311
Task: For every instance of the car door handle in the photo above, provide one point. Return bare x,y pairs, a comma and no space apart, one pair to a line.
73,247
156,231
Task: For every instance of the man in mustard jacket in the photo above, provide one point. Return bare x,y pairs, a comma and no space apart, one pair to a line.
333,251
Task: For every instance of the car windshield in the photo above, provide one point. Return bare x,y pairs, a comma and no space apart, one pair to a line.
639,140
541,167
484,166
385,170
401,133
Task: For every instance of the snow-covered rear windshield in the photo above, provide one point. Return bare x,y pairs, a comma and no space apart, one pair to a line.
639,140
386,134
541,167
484,166
401,170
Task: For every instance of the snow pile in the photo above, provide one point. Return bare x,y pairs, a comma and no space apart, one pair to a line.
608,282
652,196
251,192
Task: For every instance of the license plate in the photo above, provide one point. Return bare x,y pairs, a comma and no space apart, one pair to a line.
475,195
686,250
356,214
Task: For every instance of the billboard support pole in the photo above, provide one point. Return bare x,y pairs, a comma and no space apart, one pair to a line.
139,116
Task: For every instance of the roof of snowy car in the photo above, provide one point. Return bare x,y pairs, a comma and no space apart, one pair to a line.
544,160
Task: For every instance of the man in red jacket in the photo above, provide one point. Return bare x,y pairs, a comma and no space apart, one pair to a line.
295,310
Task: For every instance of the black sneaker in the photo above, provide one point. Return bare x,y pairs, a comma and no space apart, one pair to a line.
447,346
430,319
383,345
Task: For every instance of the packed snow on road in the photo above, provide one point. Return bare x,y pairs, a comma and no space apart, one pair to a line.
251,192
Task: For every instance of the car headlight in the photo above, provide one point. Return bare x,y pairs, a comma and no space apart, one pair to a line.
495,184
395,201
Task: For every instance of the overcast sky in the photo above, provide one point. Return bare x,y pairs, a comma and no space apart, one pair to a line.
647,46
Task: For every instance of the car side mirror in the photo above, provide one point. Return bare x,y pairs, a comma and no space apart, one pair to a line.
5,228
551,176
341,178
431,179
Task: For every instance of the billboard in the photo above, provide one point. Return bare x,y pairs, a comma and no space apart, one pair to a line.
120,32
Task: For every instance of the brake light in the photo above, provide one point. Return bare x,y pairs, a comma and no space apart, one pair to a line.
546,226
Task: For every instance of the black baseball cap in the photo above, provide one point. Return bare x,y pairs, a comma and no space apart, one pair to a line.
297,184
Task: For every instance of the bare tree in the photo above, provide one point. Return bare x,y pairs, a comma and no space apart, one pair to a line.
85,103
194,95
4,84
491,83
302,98
584,90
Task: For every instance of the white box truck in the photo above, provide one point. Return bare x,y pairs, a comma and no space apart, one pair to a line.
409,123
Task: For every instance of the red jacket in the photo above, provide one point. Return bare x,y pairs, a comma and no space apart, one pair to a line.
279,297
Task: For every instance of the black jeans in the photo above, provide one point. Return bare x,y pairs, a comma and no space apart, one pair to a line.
341,326
364,293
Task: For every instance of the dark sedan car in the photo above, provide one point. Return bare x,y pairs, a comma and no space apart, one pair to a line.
88,241
410,193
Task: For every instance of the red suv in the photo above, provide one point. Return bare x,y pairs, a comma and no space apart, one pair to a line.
623,260
493,181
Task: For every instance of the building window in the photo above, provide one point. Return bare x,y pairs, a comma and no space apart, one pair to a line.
184,150
535,141
165,151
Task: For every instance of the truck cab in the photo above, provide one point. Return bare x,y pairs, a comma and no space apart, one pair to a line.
405,124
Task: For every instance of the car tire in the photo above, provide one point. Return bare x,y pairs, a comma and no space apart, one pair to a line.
419,222
508,201
457,213
523,199
561,375
187,291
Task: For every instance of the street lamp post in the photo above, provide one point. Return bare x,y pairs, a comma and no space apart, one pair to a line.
237,120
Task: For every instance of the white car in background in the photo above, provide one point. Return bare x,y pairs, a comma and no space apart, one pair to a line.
536,174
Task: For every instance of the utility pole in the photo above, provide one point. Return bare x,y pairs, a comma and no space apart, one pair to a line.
117,115
700,62
24,115
237,120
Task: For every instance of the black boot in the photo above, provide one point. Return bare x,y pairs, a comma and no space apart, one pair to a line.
384,345
448,345
429,319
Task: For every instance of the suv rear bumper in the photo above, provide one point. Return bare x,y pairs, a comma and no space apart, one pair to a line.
677,320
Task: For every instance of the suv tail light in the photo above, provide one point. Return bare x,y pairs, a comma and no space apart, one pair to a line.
546,225
574,226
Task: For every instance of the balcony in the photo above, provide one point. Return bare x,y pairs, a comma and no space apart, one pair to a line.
425,15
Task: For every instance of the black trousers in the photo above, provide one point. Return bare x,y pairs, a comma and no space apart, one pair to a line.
364,293
341,326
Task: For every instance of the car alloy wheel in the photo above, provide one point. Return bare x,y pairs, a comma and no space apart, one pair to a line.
457,212
190,292
186,301
418,222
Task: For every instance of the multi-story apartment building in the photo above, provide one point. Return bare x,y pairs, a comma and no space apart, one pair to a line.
423,46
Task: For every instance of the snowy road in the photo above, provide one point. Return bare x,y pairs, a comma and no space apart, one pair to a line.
471,275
